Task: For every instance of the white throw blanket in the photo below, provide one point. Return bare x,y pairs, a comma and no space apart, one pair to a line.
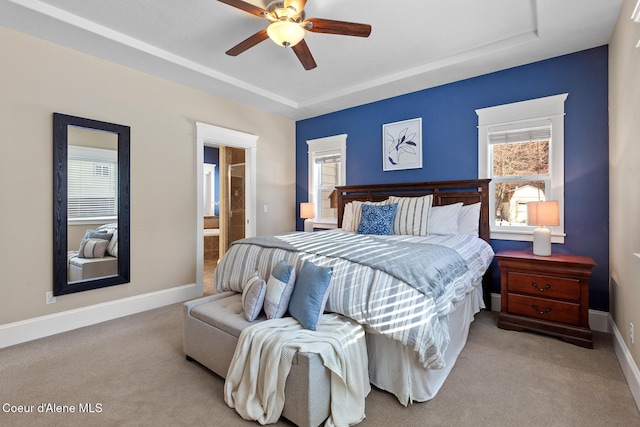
256,378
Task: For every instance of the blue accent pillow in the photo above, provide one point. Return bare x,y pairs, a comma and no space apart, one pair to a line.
279,289
310,294
377,219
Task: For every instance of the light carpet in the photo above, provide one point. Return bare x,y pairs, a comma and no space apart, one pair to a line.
132,372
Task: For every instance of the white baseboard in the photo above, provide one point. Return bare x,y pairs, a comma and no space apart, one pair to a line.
598,320
495,302
628,365
39,327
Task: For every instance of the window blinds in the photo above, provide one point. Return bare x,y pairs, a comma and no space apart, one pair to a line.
521,135
92,183
327,158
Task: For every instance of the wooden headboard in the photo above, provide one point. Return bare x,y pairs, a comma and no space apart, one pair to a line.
444,193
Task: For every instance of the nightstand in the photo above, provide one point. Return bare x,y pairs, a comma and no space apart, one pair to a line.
546,294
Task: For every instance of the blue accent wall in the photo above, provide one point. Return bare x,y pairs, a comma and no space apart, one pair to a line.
450,144
212,156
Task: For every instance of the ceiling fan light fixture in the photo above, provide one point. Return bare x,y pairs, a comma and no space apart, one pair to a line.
285,33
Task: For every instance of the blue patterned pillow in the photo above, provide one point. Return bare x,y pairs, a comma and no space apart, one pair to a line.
377,219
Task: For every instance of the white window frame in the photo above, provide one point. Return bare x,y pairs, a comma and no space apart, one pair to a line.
525,114
318,147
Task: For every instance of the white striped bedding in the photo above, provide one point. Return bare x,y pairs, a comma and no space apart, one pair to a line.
373,297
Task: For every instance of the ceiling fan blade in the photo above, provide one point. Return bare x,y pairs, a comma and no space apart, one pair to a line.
248,43
328,26
247,7
304,55
298,5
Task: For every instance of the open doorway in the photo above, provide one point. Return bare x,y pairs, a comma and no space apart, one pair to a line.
224,205
233,209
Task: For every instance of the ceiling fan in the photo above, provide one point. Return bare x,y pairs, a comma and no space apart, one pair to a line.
287,28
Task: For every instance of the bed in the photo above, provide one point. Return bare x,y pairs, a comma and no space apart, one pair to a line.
417,320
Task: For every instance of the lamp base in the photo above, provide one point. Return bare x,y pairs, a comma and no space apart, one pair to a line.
542,241
308,225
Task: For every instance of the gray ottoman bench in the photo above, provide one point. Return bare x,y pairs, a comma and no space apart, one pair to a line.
212,326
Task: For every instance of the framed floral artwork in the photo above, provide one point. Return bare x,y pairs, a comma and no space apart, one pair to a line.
402,145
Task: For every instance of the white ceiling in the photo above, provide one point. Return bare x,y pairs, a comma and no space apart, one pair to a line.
414,44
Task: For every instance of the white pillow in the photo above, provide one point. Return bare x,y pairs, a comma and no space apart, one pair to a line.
253,296
112,249
469,219
347,217
444,219
412,215
92,248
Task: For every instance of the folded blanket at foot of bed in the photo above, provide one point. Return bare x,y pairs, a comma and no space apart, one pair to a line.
256,378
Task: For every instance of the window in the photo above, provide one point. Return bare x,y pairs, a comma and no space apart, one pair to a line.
327,170
521,148
92,184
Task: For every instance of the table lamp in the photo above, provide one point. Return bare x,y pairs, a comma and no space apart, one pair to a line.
308,212
542,214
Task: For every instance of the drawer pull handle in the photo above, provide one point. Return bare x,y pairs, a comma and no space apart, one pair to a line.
546,287
542,312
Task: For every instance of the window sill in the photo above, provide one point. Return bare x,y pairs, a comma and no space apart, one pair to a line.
96,220
325,225
523,236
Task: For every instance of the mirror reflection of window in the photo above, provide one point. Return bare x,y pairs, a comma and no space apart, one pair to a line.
92,185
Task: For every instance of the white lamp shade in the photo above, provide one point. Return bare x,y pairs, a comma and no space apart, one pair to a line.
545,214
307,210
285,33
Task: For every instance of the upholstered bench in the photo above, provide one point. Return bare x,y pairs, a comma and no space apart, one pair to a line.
90,268
212,326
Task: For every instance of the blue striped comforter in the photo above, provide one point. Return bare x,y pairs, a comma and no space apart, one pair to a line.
393,298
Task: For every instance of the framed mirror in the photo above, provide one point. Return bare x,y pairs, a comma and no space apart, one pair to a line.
91,204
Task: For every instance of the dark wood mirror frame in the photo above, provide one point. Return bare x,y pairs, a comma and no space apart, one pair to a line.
61,123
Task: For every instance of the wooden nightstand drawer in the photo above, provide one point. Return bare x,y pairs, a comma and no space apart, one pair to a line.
544,286
546,294
545,309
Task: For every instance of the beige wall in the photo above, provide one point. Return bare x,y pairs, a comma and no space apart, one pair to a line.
624,175
39,78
